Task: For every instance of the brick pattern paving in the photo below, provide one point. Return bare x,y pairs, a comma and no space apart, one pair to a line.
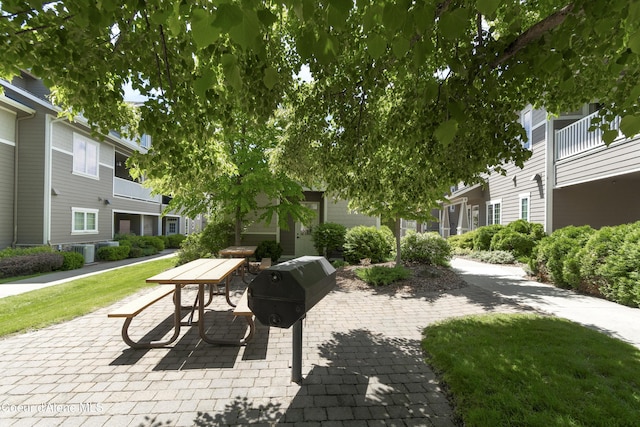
362,366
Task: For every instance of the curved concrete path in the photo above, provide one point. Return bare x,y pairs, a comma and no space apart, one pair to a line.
511,283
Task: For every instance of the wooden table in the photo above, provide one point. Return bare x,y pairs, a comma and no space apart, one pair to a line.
239,251
201,272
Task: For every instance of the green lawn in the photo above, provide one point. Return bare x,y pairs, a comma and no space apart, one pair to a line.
526,370
55,304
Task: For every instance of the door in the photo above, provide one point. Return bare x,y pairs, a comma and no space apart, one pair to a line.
304,243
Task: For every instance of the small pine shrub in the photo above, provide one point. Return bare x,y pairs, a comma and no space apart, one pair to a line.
591,258
382,276
114,253
508,239
173,241
483,236
371,243
621,271
425,248
328,238
268,249
72,261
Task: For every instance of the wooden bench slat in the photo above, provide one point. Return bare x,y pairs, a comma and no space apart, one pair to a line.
136,306
242,307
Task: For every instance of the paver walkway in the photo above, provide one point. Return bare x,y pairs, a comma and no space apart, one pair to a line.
362,366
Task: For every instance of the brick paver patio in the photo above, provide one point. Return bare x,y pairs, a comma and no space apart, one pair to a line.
362,366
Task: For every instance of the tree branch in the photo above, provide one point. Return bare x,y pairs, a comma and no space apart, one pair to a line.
166,57
533,33
42,27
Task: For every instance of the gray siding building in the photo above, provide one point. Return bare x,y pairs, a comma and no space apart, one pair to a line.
61,186
572,178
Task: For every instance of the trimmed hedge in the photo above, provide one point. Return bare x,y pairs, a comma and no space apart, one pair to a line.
173,241
268,249
518,237
113,253
72,261
42,262
141,245
483,236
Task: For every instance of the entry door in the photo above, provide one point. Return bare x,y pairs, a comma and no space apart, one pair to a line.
304,243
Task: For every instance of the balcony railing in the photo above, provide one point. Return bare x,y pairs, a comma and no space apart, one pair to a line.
133,190
576,138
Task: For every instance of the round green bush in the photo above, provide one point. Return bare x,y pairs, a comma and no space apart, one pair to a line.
173,241
508,239
328,238
72,261
600,246
268,249
483,236
216,235
425,248
371,243
621,271
114,253
462,241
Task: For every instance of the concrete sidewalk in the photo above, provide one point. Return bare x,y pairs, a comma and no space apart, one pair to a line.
511,283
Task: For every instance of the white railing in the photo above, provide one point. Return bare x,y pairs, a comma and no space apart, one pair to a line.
577,138
133,190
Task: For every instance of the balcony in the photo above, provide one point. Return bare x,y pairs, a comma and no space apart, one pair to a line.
577,138
133,190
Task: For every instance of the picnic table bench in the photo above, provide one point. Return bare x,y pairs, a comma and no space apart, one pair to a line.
200,272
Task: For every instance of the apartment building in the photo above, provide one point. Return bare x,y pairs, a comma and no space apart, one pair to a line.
62,186
572,178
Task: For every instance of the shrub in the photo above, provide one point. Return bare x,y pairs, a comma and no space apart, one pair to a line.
268,249
621,271
141,245
72,261
12,252
339,263
173,241
328,238
371,243
483,236
507,239
462,241
549,256
114,253
493,257
40,262
425,248
214,237
380,275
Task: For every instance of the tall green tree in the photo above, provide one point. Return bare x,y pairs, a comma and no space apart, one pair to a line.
247,190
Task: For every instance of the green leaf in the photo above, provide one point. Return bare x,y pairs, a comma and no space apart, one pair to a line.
228,16
609,136
266,17
376,46
270,78
487,7
203,83
204,33
393,16
400,47
454,24
232,77
446,132
630,125
634,42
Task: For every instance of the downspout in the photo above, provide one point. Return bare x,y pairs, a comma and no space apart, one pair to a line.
14,242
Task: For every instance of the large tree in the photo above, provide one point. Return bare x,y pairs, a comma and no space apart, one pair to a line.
406,95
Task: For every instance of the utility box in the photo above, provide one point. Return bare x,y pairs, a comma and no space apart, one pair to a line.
283,294
87,251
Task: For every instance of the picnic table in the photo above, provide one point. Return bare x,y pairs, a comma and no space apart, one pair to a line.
245,252
202,272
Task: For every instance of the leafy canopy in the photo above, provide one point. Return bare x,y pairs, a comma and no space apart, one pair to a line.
407,97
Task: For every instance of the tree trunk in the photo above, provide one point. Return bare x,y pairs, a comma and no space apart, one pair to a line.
238,227
397,234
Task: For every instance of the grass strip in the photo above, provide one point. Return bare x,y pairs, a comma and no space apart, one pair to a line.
58,303
528,370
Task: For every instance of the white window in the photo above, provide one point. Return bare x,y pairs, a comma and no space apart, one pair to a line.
145,141
84,221
525,206
85,156
527,123
494,212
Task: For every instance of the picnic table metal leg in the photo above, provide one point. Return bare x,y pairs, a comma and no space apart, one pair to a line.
155,344
203,333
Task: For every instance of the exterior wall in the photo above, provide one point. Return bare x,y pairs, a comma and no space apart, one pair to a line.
31,178
7,152
517,182
605,202
256,232
338,211
619,158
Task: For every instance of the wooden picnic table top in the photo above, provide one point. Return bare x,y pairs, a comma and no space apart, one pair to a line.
203,270
240,251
